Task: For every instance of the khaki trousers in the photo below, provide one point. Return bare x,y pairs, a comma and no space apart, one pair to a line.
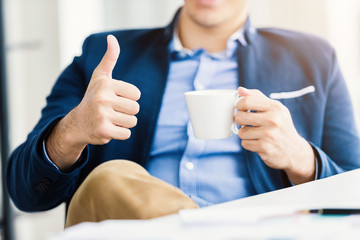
121,189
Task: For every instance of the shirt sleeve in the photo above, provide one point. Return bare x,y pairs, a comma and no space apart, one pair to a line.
77,164
46,156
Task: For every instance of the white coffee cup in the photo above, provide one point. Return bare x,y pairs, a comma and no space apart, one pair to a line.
212,113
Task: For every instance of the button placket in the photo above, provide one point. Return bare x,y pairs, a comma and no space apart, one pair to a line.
192,153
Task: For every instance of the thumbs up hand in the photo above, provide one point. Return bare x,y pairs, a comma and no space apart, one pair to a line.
108,107
107,111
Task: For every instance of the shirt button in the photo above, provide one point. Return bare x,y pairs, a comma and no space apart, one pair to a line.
189,165
182,54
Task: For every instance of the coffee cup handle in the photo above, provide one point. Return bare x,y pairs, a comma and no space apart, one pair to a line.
234,128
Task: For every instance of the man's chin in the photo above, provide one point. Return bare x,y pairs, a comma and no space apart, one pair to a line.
207,22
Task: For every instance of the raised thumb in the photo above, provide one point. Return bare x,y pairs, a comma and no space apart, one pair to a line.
109,59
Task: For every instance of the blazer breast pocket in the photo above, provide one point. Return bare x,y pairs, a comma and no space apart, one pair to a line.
293,94
305,107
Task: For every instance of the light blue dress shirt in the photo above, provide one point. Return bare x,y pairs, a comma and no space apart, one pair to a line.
209,171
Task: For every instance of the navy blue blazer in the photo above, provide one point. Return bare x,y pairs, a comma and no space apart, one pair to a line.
274,61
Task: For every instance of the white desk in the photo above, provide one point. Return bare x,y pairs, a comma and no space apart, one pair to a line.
233,220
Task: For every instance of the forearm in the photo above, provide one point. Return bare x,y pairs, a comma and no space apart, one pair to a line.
62,145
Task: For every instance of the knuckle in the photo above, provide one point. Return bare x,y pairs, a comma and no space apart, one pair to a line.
102,132
131,90
135,108
266,148
244,144
277,105
263,146
130,107
130,121
286,111
269,135
246,102
248,145
274,120
264,157
125,134
137,93
237,118
134,121
100,124
242,133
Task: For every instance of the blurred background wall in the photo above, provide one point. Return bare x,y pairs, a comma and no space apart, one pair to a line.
43,36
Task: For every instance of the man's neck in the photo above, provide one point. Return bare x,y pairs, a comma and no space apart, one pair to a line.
212,39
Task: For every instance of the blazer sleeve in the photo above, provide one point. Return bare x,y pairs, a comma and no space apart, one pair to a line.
340,145
33,183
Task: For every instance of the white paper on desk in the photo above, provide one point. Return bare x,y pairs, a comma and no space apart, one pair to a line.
238,215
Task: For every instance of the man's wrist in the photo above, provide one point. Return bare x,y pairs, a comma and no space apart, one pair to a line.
62,145
304,168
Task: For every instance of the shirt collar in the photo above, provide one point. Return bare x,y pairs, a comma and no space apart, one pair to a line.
234,40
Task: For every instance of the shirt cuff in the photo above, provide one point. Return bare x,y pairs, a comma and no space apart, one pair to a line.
46,156
317,162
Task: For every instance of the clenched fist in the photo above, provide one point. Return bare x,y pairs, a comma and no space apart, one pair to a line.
269,131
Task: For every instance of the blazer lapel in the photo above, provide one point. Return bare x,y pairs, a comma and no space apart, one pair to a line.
250,63
146,65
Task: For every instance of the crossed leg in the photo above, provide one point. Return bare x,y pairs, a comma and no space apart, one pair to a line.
121,189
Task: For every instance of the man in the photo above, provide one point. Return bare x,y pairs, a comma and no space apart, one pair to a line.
296,112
